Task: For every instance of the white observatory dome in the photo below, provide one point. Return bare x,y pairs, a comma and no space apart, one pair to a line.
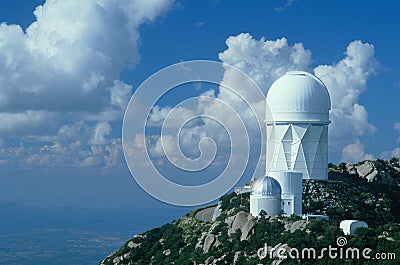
266,187
299,96
265,196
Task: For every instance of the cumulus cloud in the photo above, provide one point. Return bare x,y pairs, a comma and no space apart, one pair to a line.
73,132
263,60
266,60
28,122
181,115
71,63
346,81
59,79
158,114
397,128
75,145
395,152
355,152
101,130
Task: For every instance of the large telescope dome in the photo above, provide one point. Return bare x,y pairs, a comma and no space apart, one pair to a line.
299,96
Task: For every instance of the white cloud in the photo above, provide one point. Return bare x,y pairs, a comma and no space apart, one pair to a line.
76,145
266,60
158,114
28,122
114,156
395,152
59,80
397,127
101,130
70,58
73,132
119,94
346,81
390,154
354,153
284,7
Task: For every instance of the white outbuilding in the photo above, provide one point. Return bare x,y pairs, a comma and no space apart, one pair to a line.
297,125
292,188
349,226
265,195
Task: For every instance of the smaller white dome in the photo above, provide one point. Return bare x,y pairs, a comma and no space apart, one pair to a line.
266,187
299,96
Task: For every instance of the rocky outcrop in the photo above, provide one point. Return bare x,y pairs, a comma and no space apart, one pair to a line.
351,169
365,169
368,171
378,171
201,240
373,171
236,256
132,244
244,222
217,212
239,221
300,224
208,242
247,229
206,215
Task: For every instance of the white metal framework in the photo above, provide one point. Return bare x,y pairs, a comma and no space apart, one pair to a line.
300,147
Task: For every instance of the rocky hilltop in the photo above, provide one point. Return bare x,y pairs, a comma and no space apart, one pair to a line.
376,171
227,234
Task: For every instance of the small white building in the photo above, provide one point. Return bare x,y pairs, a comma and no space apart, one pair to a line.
309,217
349,226
265,195
292,188
241,190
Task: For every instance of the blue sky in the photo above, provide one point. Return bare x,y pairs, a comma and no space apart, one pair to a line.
65,81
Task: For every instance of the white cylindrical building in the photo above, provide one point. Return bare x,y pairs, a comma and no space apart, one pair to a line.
292,188
349,226
265,195
298,132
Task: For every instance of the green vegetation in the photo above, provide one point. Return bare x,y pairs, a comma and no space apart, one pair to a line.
343,196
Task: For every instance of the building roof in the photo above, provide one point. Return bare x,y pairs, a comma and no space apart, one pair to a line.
299,96
267,187
349,226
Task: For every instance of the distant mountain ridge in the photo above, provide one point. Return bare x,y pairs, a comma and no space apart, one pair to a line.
367,191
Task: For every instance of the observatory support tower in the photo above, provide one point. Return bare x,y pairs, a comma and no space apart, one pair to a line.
298,132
